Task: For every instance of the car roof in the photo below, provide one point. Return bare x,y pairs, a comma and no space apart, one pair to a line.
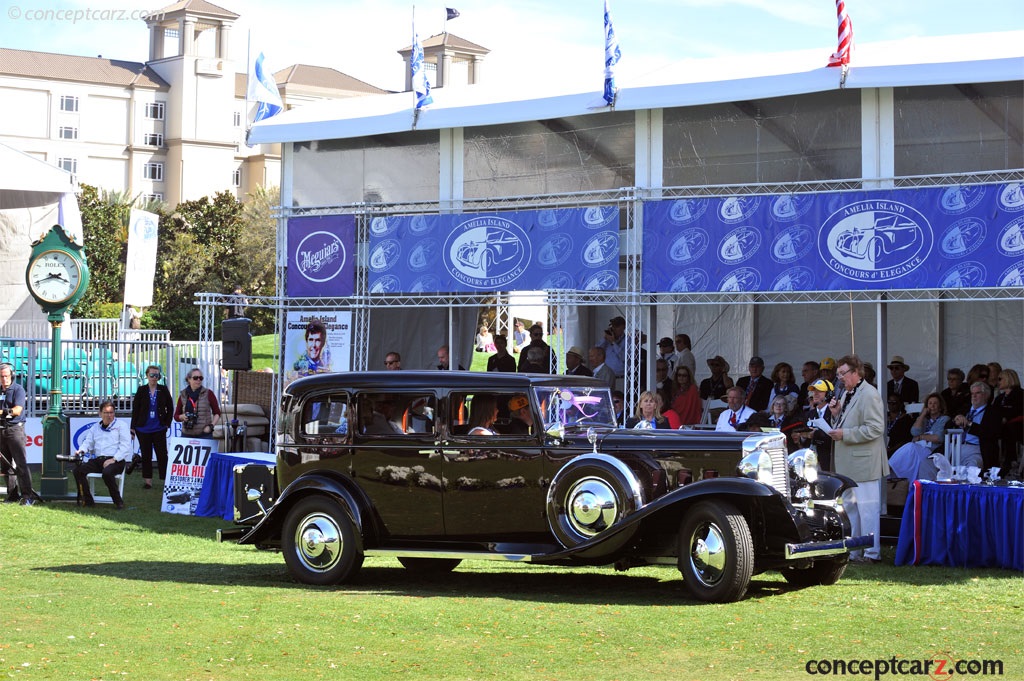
429,380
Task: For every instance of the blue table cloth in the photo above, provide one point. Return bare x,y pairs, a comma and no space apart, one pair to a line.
217,498
962,526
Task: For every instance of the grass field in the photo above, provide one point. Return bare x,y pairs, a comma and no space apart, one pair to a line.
137,594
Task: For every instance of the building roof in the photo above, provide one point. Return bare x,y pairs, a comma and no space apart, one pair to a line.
323,77
196,7
981,58
448,40
28,64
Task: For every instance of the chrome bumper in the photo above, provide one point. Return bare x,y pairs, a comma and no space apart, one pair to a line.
828,548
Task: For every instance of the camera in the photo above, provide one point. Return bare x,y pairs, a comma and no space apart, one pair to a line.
74,458
191,418
133,464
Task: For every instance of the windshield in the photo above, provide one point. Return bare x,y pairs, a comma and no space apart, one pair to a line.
574,405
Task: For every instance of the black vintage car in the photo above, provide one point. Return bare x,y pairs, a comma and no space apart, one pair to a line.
436,467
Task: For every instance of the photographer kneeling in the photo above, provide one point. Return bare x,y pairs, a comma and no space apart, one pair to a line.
197,407
106,448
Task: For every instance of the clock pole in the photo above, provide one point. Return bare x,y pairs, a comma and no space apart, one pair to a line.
54,482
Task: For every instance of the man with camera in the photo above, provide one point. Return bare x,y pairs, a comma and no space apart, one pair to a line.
106,448
12,439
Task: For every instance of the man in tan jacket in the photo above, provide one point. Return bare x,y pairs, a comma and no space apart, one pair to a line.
860,453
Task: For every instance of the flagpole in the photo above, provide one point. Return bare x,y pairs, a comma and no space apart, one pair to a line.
248,75
412,80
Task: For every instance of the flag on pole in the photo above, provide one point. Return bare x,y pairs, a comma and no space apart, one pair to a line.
612,54
841,57
420,84
263,90
452,13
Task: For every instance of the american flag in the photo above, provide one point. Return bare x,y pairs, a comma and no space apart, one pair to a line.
841,57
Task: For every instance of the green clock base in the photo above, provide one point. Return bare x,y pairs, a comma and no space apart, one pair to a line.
54,483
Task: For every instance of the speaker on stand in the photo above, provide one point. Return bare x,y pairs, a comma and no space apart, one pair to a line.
237,354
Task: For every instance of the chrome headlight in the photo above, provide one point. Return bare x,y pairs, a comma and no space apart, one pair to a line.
757,465
804,464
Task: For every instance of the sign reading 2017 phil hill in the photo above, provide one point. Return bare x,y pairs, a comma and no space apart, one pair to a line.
320,256
936,237
571,248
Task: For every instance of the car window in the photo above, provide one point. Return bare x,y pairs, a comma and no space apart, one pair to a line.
575,406
326,415
489,414
390,414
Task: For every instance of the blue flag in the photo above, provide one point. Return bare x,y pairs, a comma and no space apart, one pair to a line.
452,13
420,84
612,54
263,90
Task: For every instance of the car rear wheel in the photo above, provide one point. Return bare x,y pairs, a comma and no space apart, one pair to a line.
429,566
716,552
822,573
319,542
590,495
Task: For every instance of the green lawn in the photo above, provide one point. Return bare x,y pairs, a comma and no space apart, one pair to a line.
137,594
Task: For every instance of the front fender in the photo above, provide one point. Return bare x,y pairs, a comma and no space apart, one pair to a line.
268,530
831,485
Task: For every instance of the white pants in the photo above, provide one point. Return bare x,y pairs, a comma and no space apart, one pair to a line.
863,505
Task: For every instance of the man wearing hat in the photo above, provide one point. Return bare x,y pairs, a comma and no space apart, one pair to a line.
614,346
818,395
714,387
758,389
666,351
520,416
900,384
574,365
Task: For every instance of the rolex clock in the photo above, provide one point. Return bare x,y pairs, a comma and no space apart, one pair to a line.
57,274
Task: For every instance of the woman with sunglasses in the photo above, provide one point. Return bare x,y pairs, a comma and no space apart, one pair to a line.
197,407
152,409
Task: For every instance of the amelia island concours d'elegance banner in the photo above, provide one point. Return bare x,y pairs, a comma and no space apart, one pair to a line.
321,262
570,248
922,238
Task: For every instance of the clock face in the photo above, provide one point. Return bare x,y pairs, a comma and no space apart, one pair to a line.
54,276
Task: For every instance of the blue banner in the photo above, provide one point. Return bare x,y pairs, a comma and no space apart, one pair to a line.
570,248
321,262
967,236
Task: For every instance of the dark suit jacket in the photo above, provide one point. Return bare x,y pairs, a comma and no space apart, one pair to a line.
909,390
988,435
762,391
580,370
899,433
506,363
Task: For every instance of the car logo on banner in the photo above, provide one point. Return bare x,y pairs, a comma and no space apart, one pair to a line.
386,284
684,211
424,255
550,218
1012,197
962,238
382,227
599,216
964,275
558,280
743,279
790,207
1013,276
1011,238
794,279
961,199
691,280
606,280
688,246
875,240
422,224
601,249
739,245
554,251
738,208
792,244
487,252
428,283
385,255
320,256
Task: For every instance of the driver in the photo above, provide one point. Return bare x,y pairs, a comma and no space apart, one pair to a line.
521,421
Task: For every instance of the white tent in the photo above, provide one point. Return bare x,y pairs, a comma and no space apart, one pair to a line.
34,196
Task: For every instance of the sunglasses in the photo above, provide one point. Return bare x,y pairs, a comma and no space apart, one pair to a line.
195,378
154,375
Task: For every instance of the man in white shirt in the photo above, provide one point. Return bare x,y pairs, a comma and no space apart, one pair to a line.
684,354
737,413
614,346
105,448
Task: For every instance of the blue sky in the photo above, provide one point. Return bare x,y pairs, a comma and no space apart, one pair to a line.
552,41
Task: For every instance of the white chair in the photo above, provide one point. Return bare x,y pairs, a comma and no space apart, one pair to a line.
105,498
951,446
707,419
914,407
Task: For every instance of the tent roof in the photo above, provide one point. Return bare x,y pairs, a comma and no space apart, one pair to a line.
978,58
26,181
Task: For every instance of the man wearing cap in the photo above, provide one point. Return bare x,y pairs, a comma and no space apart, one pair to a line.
737,412
520,416
714,387
684,354
614,346
818,394
757,388
900,384
574,365
827,370
810,372
666,352
501,360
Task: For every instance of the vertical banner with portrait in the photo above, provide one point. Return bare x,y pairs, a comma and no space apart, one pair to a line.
317,343
321,251
186,469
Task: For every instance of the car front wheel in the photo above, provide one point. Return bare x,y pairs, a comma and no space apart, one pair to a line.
716,552
319,542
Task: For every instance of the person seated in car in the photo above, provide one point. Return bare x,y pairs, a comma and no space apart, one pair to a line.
520,416
484,414
382,419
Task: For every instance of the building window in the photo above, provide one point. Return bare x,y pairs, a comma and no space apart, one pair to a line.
236,177
153,171
153,139
155,111
68,164
69,103
68,132
153,197
238,119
